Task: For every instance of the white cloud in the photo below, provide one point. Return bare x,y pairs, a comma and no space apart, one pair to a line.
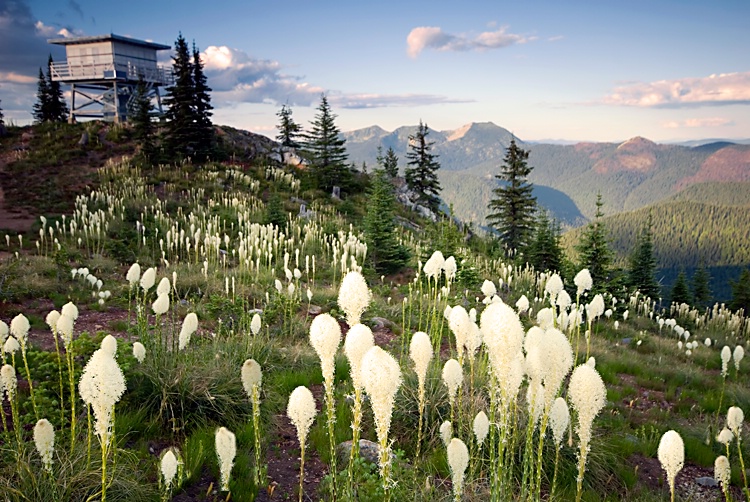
698,122
235,77
16,78
721,89
432,37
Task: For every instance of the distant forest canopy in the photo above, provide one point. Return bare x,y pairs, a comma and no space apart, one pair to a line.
686,233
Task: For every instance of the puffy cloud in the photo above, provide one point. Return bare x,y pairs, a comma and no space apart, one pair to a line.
721,89
235,77
698,122
432,37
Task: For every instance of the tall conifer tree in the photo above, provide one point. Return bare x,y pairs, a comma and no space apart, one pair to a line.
384,250
180,114
41,107
388,162
512,210
143,127
204,129
421,175
594,251
326,148
544,251
289,130
58,110
642,270
701,286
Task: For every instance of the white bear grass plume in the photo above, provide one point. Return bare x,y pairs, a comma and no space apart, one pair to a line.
671,454
354,297
252,377
420,352
44,439
226,449
588,395
381,376
458,460
325,337
301,411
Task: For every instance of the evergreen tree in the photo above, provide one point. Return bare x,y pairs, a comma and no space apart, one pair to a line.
389,162
642,270
275,212
57,108
2,117
204,130
326,148
594,251
179,100
512,210
544,251
289,130
680,291
421,176
140,119
383,249
41,107
701,286
741,292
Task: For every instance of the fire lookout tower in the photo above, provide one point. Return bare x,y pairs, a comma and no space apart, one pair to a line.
104,71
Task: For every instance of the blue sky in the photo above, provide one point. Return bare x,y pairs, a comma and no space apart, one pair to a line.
575,70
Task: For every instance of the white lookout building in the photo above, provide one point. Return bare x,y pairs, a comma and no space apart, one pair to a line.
103,72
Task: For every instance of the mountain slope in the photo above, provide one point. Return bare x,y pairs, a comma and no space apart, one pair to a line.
629,175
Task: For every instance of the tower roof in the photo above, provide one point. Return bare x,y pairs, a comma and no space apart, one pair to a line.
105,38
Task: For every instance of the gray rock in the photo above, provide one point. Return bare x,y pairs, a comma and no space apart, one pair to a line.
378,323
367,450
626,341
707,481
314,310
84,139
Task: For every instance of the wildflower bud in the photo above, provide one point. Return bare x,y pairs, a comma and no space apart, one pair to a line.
51,320
189,326
458,459
559,418
583,281
134,274
255,324
109,345
325,337
161,304
522,305
44,439
11,345
139,351
722,471
737,355
671,454
8,380
420,352
301,411
725,436
453,377
481,427
726,355
19,328
446,432
434,266
588,395
354,297
168,468
226,449
735,417
164,287
251,376
358,341
148,279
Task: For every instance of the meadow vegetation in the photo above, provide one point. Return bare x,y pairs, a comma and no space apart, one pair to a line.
243,348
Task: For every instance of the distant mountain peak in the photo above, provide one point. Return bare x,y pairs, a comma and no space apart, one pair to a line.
459,133
636,142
